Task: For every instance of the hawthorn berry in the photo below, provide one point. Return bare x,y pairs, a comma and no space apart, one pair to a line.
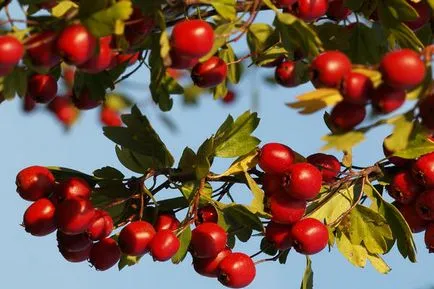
76,44
100,60
310,10
337,10
285,3
11,51
135,238
345,115
275,158
164,245
302,181
109,116
209,267
104,254
101,226
402,69
429,237
122,58
237,270
279,235
425,205
426,111
286,74
328,165
424,15
28,103
404,189
386,99
207,240
397,161
229,97
192,38
42,88
64,110
34,183
166,221
182,62
285,210
210,73
310,236
206,214
74,216
356,88
75,257
84,101
39,219
73,188
138,26
41,48
414,221
73,243
272,184
329,68
423,170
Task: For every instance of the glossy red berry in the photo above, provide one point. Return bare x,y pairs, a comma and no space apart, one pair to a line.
329,68
34,183
64,110
164,245
229,97
75,257
104,254
285,210
138,27
73,188
310,10
182,62
207,214
397,161
356,88
275,158
423,170
328,165
73,243
416,223
286,74
76,44
402,69
345,116
404,189
210,73
429,237
425,205
237,270
426,111
192,38
84,101
136,237
166,221
386,99
41,49
207,240
302,181
74,216
11,51
39,219
424,15
110,117
42,87
310,236
272,184
101,60
279,235
101,226
209,266
337,10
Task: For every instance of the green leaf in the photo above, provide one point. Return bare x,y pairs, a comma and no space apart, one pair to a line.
238,216
225,8
184,239
61,173
221,33
188,160
14,83
334,36
366,46
316,100
234,69
242,164
403,126
189,190
268,247
379,264
417,146
127,260
355,254
133,161
257,204
307,282
262,40
343,142
220,90
205,156
108,173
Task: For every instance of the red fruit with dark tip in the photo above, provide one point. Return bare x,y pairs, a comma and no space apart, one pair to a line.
416,223
402,69
275,158
138,27
84,100
101,60
404,189
423,170
229,97
76,44
110,117
345,116
136,237
209,73
64,110
181,62
11,51
34,183
104,254
166,221
73,188
101,226
279,235
285,210
328,165
310,236
206,214
73,243
329,68
39,219
41,49
209,266
302,181
75,257
74,216
237,270
192,38
28,103
397,161
286,74
337,10
429,238
272,184
357,88
426,111
207,240
424,14
42,87
310,10
425,205
164,245
386,99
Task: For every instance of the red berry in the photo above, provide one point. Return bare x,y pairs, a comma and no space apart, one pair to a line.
302,181
73,243
337,10
74,216
73,188
104,254
207,214
192,38
209,266
424,14
11,51
404,189
84,100
34,183
285,3
329,68
275,158
345,116
164,245
429,238
286,74
41,49
122,58
402,69
207,240
229,97
286,210
328,165
356,88
425,205
209,73
42,87
423,170
310,10
76,44
166,221
39,219
416,223
136,237
101,226
69,75
101,60
386,99
310,236
75,257
182,62
397,161
237,270
279,235
272,184
64,110
28,104
426,111
110,117
138,27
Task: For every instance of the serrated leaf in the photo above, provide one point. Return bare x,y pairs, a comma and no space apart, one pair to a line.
242,164
184,239
343,142
109,173
316,100
307,282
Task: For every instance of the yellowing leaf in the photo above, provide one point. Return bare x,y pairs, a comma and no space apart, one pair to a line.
403,126
242,164
374,75
343,142
316,100
62,8
257,204
379,264
356,254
